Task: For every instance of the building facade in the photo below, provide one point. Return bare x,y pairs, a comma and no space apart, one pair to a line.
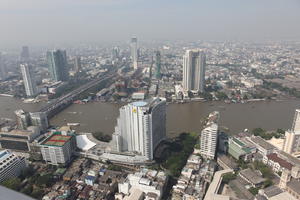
158,64
58,65
25,56
134,52
194,62
208,141
29,80
11,165
292,136
2,68
141,127
40,120
58,148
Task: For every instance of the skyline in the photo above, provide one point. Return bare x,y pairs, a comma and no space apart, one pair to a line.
33,22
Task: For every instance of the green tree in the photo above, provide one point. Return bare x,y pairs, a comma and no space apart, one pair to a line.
12,183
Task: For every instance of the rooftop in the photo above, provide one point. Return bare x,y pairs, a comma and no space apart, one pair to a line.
283,163
57,140
261,142
253,176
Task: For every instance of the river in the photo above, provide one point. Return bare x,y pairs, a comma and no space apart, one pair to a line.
99,116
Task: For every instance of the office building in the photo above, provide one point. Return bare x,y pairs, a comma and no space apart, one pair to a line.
134,52
194,62
19,140
2,68
141,127
58,65
40,120
77,64
29,80
292,136
158,65
58,148
24,57
11,165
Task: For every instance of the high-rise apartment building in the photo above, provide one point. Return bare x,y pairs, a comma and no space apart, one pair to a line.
141,127
11,165
158,65
29,80
24,57
209,136
2,68
134,52
58,65
292,137
194,62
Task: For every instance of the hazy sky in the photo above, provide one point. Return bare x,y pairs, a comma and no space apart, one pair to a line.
69,21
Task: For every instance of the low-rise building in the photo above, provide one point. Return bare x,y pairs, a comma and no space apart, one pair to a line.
238,148
19,139
150,182
254,178
276,163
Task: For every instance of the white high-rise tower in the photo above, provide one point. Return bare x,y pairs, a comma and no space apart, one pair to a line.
292,137
209,136
134,52
194,62
141,127
29,80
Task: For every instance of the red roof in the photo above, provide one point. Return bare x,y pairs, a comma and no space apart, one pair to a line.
274,157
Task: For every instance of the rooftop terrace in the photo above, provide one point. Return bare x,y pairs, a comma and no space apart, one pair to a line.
57,140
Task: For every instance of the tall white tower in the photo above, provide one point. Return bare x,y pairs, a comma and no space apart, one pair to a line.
29,80
134,52
194,62
209,136
292,137
296,121
141,127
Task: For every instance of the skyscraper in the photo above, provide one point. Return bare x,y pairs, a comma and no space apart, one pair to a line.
2,68
194,71
134,52
29,80
209,137
115,53
24,57
58,65
77,63
158,64
292,137
141,127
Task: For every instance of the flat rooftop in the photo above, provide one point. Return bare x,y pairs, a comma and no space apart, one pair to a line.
57,140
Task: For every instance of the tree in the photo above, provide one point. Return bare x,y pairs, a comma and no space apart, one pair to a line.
12,183
228,177
45,180
37,193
